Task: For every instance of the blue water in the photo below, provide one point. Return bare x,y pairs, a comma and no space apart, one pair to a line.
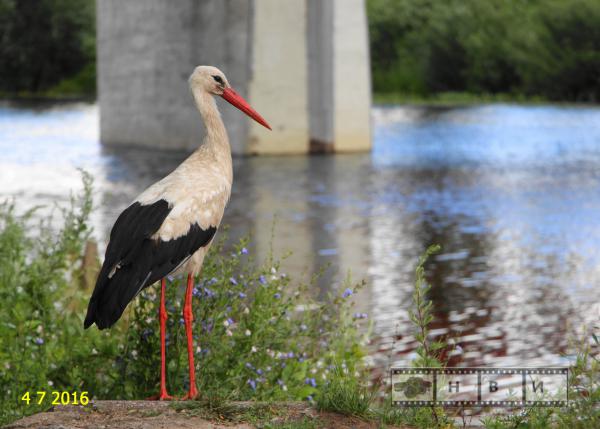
512,193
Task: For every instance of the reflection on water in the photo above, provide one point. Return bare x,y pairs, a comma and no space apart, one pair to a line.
512,194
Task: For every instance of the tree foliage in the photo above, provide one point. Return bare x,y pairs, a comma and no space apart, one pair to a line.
44,42
548,48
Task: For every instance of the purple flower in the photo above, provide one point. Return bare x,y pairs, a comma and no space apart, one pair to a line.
249,365
309,398
232,281
280,382
39,341
277,295
181,321
230,321
244,251
361,315
259,371
207,327
252,384
242,295
146,334
262,280
348,292
311,381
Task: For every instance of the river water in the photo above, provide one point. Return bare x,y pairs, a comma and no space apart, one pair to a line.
512,193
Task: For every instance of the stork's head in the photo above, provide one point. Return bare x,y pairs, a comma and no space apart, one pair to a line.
211,80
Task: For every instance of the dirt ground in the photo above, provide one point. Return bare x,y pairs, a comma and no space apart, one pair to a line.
166,415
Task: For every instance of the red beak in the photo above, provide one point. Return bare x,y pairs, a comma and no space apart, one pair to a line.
238,101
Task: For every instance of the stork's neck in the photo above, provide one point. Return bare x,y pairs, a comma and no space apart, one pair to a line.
216,135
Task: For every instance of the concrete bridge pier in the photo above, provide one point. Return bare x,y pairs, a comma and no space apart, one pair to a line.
303,64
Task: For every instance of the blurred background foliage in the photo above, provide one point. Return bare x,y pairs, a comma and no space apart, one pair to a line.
548,49
48,47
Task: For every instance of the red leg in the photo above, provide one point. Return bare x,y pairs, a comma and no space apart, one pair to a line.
162,315
188,317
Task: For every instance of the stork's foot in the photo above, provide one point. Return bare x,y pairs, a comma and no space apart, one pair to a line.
163,396
191,395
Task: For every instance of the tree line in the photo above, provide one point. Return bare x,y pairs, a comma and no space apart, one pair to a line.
546,48
536,48
47,46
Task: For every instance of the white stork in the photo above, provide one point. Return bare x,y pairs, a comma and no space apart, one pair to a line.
170,226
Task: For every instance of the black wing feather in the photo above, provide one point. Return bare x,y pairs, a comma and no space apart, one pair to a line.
141,260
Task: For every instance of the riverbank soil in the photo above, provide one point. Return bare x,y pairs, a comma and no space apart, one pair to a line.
180,415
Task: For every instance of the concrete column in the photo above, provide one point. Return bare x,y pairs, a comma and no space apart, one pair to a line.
146,52
277,87
303,64
351,77
339,76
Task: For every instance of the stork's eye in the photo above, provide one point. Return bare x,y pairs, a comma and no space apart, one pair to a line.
218,79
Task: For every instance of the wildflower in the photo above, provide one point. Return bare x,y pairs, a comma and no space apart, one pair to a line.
198,350
259,371
212,281
280,382
244,251
309,398
277,295
348,292
262,280
181,321
253,349
226,323
290,355
39,341
249,365
247,332
268,368
229,333
232,281
360,315
273,270
252,384
242,295
50,383
134,353
311,381
303,327
246,310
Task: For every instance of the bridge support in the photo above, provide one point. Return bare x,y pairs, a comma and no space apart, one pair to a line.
303,64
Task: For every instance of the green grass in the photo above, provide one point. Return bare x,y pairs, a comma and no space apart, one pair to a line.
259,334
